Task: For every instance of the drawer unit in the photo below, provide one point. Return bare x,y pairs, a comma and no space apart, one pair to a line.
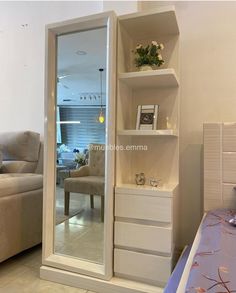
146,267
143,207
146,237
143,232
229,168
229,137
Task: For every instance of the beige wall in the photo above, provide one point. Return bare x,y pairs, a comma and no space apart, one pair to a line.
22,54
22,57
119,7
208,92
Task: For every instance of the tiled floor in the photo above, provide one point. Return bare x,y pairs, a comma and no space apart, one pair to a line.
20,274
81,235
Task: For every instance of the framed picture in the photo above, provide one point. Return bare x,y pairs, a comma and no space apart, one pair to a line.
147,117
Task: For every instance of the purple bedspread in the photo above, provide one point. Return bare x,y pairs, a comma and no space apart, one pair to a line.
214,264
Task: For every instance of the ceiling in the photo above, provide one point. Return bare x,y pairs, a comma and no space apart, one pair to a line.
80,55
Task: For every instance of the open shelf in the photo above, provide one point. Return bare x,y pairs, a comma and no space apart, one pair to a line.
161,21
150,79
161,132
162,191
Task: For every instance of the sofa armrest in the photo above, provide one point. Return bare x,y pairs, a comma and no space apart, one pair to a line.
82,171
39,168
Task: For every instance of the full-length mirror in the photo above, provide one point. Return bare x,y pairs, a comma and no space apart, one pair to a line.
80,126
79,168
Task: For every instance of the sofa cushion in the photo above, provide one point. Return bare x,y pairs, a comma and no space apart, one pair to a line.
18,167
20,146
87,184
97,159
18,183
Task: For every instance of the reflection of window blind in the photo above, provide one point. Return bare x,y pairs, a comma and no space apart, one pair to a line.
58,128
88,131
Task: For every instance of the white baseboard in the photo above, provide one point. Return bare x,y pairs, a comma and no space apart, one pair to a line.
115,285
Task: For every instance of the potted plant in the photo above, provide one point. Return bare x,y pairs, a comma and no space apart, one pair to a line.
61,151
148,56
80,159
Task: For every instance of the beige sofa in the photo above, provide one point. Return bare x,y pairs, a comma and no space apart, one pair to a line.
21,192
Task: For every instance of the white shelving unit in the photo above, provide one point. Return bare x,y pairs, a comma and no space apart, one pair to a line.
162,191
147,23
161,132
146,216
150,79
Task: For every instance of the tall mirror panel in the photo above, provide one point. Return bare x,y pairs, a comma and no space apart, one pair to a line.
80,144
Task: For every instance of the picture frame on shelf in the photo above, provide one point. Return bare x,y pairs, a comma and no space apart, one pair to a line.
147,116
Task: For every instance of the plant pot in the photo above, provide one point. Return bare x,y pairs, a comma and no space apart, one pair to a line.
145,68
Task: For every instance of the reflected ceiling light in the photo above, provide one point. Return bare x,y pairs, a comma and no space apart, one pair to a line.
80,53
68,122
101,117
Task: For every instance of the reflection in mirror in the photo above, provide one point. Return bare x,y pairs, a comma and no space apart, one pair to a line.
81,124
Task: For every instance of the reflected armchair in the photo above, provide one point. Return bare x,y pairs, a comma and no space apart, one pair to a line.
88,179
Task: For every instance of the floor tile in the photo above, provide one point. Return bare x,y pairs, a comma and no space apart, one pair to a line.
82,235
21,275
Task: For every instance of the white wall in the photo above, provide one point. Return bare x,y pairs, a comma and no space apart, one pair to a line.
120,7
22,53
208,92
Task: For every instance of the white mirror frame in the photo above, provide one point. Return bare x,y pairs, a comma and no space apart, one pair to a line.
49,258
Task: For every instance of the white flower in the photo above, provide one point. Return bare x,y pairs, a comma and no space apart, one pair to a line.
159,57
154,43
139,46
63,149
161,46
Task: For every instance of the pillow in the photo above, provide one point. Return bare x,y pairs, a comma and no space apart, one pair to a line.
20,146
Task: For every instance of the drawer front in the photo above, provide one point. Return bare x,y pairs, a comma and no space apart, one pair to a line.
143,207
229,137
229,168
146,267
145,237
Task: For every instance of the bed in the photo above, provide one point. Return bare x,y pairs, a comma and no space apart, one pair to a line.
211,263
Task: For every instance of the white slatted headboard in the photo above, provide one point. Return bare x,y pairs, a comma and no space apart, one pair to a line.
219,165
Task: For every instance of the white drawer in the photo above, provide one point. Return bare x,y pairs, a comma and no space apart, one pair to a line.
229,168
143,207
145,267
145,237
229,137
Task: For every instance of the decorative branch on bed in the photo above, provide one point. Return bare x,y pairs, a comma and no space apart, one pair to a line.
223,285
214,262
